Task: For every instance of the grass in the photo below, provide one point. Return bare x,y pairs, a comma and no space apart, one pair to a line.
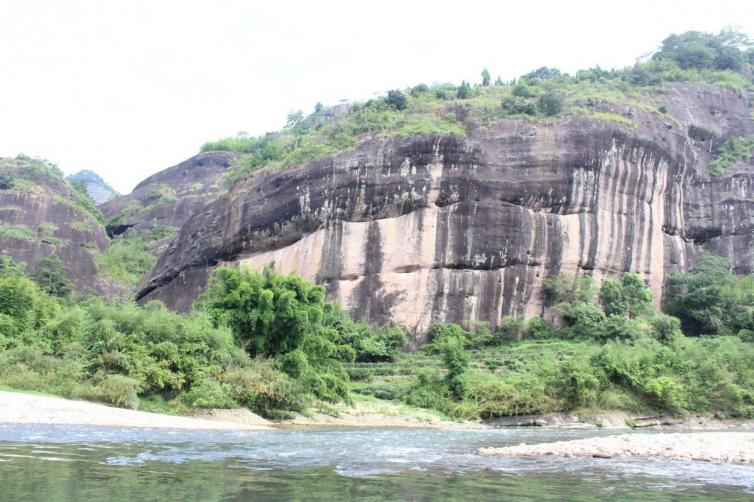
604,116
126,260
17,232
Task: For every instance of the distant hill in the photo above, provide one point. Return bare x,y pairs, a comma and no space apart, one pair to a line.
96,187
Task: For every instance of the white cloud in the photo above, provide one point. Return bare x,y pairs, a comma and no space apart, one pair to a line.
129,88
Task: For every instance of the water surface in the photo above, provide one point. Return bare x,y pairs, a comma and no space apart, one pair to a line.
60,463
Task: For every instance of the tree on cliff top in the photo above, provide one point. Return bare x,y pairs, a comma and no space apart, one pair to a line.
728,50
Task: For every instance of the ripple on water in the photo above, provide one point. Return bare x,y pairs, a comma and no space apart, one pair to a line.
358,453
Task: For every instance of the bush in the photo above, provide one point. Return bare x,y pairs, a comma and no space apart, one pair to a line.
52,277
550,103
120,391
265,389
418,90
209,394
518,106
732,151
396,100
464,90
521,90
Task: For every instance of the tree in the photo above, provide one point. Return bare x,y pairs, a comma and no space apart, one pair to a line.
710,300
293,120
522,90
419,89
637,297
498,81
319,107
611,297
281,316
456,360
550,103
700,50
52,276
485,77
396,99
464,90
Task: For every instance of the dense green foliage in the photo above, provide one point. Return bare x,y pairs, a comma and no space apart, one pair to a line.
728,50
126,259
732,151
52,276
287,318
711,300
616,352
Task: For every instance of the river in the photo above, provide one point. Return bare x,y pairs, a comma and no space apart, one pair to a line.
62,463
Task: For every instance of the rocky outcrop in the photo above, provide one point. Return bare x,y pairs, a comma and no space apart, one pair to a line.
40,217
164,201
95,186
440,229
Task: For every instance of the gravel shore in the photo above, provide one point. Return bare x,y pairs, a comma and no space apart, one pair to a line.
707,446
32,409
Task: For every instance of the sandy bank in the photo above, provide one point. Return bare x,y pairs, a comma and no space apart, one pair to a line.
33,409
371,412
707,446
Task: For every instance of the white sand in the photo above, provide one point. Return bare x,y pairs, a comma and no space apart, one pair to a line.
33,409
708,446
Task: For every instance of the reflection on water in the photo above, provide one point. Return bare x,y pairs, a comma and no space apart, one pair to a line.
40,462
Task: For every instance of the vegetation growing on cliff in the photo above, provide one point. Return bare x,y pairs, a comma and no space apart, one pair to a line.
614,351
722,59
732,151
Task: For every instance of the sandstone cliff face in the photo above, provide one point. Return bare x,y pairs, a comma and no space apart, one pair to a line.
164,201
438,229
38,218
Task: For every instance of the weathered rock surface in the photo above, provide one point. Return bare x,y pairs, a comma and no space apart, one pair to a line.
98,190
438,229
164,201
38,218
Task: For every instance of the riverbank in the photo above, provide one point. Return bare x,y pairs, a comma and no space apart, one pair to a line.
737,447
19,408
370,412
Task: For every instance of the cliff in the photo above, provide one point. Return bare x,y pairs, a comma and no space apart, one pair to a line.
160,204
40,215
440,228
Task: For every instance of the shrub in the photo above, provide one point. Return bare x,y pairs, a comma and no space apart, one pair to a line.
464,90
209,394
550,102
119,390
522,90
265,389
418,90
396,100
52,277
126,259
456,361
732,151
518,106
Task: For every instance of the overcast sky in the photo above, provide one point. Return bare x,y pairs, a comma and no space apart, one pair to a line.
127,88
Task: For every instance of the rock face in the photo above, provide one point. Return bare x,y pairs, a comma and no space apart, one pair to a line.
164,201
98,190
39,217
439,229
